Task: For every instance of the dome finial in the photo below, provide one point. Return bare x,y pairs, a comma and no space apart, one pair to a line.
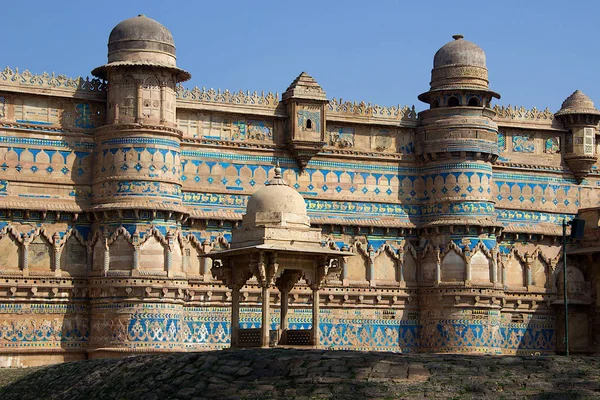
278,178
457,36
277,170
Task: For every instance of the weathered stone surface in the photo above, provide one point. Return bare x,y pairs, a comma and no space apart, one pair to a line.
406,376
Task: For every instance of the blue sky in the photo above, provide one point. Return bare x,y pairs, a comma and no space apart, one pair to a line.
538,52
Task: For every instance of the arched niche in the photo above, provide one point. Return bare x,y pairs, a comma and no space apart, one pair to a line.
40,254
177,257
539,276
385,267
73,257
429,265
121,255
410,268
515,273
357,268
152,255
9,253
98,255
194,262
453,267
480,268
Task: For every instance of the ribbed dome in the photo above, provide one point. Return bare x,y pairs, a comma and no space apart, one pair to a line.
141,41
276,197
578,103
459,52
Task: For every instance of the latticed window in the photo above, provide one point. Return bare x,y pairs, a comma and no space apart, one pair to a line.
2,107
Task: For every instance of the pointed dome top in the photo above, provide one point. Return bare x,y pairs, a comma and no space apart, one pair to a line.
459,52
305,87
578,103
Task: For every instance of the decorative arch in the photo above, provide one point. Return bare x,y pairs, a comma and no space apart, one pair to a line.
386,264
73,253
193,249
480,263
514,269
410,264
152,251
40,250
357,267
429,261
453,264
10,248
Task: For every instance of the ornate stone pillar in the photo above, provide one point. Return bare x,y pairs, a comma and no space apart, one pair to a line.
106,254
265,327
371,266
235,314
25,254
56,241
315,315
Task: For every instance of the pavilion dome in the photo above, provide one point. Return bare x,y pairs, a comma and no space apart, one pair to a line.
276,197
141,41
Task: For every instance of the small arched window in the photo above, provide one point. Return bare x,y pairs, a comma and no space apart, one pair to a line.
308,124
435,104
473,102
453,102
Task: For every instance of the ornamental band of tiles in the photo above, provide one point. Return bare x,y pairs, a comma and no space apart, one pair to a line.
114,188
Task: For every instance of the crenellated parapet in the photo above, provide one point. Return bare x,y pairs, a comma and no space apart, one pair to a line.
54,85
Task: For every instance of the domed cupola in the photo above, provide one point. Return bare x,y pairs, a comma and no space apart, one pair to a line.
276,215
459,65
579,115
141,41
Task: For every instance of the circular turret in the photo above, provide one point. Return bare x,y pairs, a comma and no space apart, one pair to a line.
141,41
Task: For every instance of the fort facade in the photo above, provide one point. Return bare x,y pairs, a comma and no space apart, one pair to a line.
112,190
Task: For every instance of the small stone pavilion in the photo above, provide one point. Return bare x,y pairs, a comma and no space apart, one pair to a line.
276,246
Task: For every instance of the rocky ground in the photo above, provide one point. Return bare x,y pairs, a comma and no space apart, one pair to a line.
308,374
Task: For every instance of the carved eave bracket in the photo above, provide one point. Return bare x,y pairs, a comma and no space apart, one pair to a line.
304,151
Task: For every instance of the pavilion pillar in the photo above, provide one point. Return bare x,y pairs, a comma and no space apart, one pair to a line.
315,317
266,321
235,315
283,327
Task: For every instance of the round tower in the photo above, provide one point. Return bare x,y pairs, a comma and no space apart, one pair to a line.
137,151
137,199
458,143
579,115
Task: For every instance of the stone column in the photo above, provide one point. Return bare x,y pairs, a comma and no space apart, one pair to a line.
140,103
163,102
371,266
285,301
494,267
235,315
315,316
169,260
344,274
106,254
25,254
266,320
56,245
